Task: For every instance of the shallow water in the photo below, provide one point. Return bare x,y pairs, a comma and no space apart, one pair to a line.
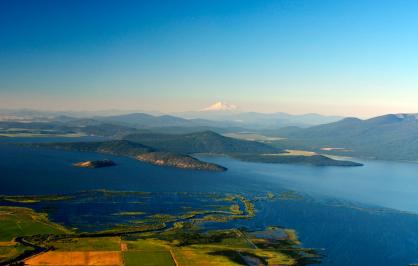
380,183
357,215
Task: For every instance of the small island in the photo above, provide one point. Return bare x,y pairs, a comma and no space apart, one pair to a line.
95,164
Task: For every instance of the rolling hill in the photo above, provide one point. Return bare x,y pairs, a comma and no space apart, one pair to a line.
146,120
389,137
200,142
213,143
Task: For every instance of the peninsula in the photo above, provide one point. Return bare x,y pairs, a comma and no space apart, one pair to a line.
134,150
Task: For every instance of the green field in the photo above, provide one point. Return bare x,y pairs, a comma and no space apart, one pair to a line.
87,244
11,251
184,242
148,258
16,221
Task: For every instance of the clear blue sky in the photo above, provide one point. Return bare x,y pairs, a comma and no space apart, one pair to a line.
333,57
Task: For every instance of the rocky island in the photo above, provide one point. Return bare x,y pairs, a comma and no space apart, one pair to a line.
184,161
95,164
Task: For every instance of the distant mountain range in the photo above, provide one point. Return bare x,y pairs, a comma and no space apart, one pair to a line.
221,119
391,137
147,121
219,115
263,120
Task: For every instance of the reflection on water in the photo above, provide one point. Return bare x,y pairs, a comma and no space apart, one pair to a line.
341,209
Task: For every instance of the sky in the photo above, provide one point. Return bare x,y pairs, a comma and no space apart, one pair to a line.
354,57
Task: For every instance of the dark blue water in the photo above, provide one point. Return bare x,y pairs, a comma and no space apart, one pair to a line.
97,210
359,216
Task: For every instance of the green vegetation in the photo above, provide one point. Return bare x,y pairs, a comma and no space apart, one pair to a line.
273,246
147,252
10,250
137,151
34,199
179,161
388,137
213,143
163,218
146,257
200,142
158,239
17,221
87,243
235,209
175,150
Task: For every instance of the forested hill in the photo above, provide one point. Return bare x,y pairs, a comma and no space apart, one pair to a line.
213,143
201,142
390,137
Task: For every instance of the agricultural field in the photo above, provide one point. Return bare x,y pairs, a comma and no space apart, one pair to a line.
11,250
70,258
88,244
148,258
220,247
143,238
16,221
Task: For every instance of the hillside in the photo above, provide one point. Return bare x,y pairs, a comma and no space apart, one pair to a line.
137,151
68,126
211,142
390,137
146,120
201,142
143,120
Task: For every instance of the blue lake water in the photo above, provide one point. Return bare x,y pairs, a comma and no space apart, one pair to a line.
358,216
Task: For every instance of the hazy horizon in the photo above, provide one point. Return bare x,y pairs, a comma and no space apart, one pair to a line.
117,111
346,58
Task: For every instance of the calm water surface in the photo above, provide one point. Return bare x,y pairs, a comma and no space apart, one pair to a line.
359,216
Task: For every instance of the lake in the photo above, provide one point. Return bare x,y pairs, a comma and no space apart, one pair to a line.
355,216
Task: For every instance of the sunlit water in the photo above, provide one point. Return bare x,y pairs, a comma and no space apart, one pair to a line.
359,216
